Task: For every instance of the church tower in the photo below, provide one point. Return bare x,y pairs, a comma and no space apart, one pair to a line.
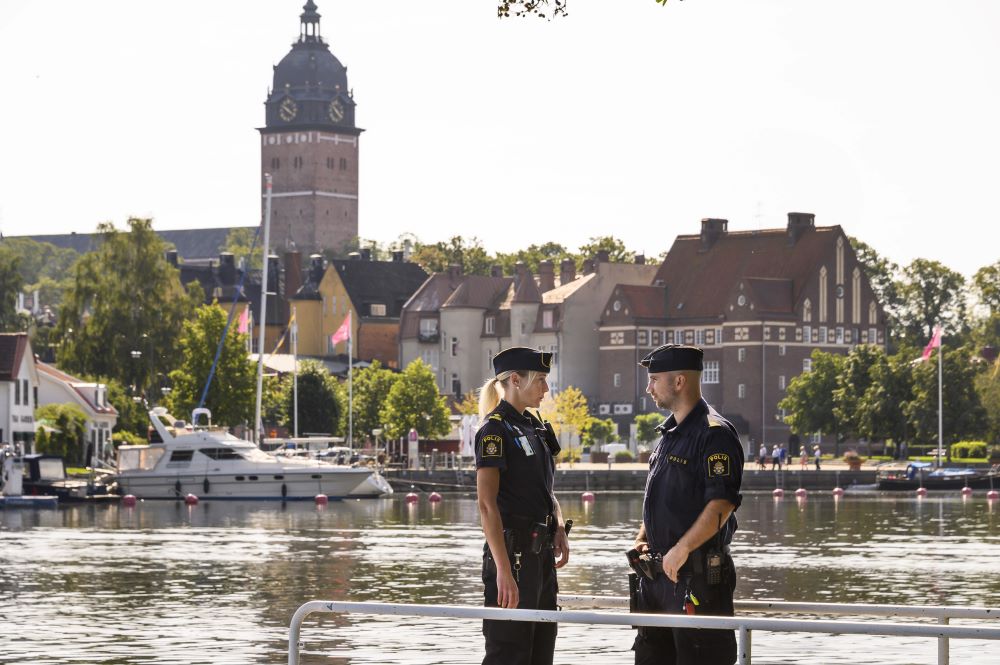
309,145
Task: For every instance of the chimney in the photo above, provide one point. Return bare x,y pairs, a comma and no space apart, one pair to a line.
567,271
640,259
227,268
171,256
546,276
454,271
603,256
520,270
588,266
397,256
496,271
799,223
272,273
712,230
354,256
366,254
316,268
293,273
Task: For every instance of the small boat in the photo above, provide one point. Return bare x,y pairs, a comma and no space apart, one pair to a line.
211,463
922,474
46,475
12,488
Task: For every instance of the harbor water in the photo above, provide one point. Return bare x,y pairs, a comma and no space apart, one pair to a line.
165,583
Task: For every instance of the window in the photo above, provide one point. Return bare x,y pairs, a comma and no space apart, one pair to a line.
454,347
741,354
821,335
872,335
430,357
17,392
547,319
741,391
617,380
668,336
377,309
343,163
275,163
297,162
643,337
220,453
456,385
689,337
807,364
710,373
617,338
781,382
181,455
817,437
428,327
718,335
781,349
710,337
807,311
807,336
699,337
490,324
840,334
655,338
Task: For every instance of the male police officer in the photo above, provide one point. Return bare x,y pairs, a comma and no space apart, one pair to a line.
692,491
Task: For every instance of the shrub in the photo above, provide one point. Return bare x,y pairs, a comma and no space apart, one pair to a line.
569,455
623,456
966,449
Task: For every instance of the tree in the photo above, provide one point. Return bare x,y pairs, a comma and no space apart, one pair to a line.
122,316
880,414
883,276
853,382
69,424
613,246
645,427
809,397
231,395
932,294
963,414
132,415
596,432
532,8
570,409
322,403
987,286
11,283
988,389
469,406
468,254
371,389
533,256
415,403
238,243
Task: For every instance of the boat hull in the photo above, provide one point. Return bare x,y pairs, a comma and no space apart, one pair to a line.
946,483
334,483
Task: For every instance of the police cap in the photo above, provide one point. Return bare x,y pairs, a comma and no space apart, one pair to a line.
522,359
673,358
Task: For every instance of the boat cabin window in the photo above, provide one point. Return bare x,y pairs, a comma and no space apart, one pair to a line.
139,458
220,453
181,455
48,469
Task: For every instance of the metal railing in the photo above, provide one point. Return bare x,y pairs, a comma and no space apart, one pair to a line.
744,625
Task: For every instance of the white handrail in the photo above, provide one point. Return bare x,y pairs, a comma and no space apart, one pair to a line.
743,624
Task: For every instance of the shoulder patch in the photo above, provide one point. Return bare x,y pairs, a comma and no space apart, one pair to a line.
718,465
496,416
714,422
492,446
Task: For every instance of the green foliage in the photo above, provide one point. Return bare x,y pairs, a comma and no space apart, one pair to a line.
809,397
987,385
70,423
883,276
964,417
967,449
533,256
126,438
132,415
39,260
322,401
645,427
414,402
11,284
569,455
125,298
624,456
853,383
469,406
539,8
238,243
272,400
986,283
932,294
571,409
371,390
231,396
597,432
615,248
880,415
468,254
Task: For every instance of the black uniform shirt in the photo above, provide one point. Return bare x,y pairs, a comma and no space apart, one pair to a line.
509,441
694,462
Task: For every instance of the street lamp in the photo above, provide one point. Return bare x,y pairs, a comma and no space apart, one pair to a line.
377,432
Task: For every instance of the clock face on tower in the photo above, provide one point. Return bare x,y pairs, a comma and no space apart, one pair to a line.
287,109
336,111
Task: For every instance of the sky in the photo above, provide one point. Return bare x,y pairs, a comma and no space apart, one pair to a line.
625,118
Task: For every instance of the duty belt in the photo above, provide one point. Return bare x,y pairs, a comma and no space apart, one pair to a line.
523,523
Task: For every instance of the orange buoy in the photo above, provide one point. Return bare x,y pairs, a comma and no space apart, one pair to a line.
434,497
412,497
966,491
801,492
128,500
587,497
993,495
778,493
191,500
321,499
921,491
838,491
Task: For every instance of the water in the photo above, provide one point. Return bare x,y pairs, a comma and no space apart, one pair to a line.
217,583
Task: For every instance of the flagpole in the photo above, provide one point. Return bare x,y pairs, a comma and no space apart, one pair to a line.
940,403
295,374
262,326
350,384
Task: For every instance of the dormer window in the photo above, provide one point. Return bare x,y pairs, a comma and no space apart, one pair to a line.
547,319
377,309
490,325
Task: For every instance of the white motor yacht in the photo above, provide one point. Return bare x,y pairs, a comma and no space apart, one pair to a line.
211,463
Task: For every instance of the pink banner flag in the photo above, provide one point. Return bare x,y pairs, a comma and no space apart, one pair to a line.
933,344
244,324
343,332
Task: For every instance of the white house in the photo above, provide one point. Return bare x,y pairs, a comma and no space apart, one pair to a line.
58,387
18,391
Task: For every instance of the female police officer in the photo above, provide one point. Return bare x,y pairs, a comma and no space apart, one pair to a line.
515,460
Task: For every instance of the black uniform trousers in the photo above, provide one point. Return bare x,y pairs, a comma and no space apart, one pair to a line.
522,642
686,646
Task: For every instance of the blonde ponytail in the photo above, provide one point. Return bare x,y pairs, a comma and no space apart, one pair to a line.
492,391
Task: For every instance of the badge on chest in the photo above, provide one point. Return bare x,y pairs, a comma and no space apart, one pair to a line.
525,445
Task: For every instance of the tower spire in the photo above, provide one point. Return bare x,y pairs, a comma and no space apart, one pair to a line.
309,31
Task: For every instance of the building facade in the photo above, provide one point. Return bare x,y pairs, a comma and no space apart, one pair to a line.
18,391
758,303
58,387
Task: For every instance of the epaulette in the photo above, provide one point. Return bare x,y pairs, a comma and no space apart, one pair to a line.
714,422
496,416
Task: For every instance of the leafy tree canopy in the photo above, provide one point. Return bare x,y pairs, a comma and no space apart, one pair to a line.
809,397
986,282
11,283
597,432
414,402
645,426
238,243
322,401
932,294
69,423
371,390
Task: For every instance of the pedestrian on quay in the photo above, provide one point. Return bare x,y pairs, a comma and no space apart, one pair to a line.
816,455
775,458
692,492
783,456
525,534
762,457
803,457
